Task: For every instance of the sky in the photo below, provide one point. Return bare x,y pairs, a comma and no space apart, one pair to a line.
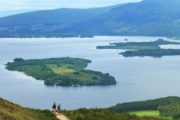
6,5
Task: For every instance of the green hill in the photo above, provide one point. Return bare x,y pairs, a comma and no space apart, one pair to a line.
103,114
159,109
165,107
10,111
149,17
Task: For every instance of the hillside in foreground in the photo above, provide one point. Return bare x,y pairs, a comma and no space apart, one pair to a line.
159,109
104,114
10,111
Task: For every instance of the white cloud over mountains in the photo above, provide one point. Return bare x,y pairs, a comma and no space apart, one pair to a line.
51,4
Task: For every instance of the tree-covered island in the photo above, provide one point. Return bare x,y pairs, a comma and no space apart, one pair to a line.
142,49
61,71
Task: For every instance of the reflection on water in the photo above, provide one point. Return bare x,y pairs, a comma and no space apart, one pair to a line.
138,78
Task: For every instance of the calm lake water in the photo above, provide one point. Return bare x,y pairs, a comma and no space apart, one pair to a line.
137,78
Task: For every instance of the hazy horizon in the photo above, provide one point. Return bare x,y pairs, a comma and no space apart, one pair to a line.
11,5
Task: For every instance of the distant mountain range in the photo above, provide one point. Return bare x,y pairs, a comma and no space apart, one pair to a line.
147,18
6,13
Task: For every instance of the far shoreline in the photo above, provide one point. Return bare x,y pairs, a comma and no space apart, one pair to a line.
95,36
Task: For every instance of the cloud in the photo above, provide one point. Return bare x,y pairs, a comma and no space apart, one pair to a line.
50,4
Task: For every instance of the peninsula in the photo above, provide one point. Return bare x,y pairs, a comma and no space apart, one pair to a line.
141,49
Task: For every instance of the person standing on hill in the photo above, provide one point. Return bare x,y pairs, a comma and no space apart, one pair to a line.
54,106
59,107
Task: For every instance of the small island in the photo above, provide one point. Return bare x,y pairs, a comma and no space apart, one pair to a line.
141,49
61,71
156,53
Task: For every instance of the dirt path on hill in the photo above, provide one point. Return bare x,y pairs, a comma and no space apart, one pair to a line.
60,116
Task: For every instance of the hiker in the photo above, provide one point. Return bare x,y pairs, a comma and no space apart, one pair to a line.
54,106
59,107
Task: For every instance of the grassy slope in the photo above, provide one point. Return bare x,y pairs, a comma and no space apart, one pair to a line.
170,105
73,73
103,114
10,111
149,113
168,108
154,113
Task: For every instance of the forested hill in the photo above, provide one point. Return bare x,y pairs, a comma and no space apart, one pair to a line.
149,17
